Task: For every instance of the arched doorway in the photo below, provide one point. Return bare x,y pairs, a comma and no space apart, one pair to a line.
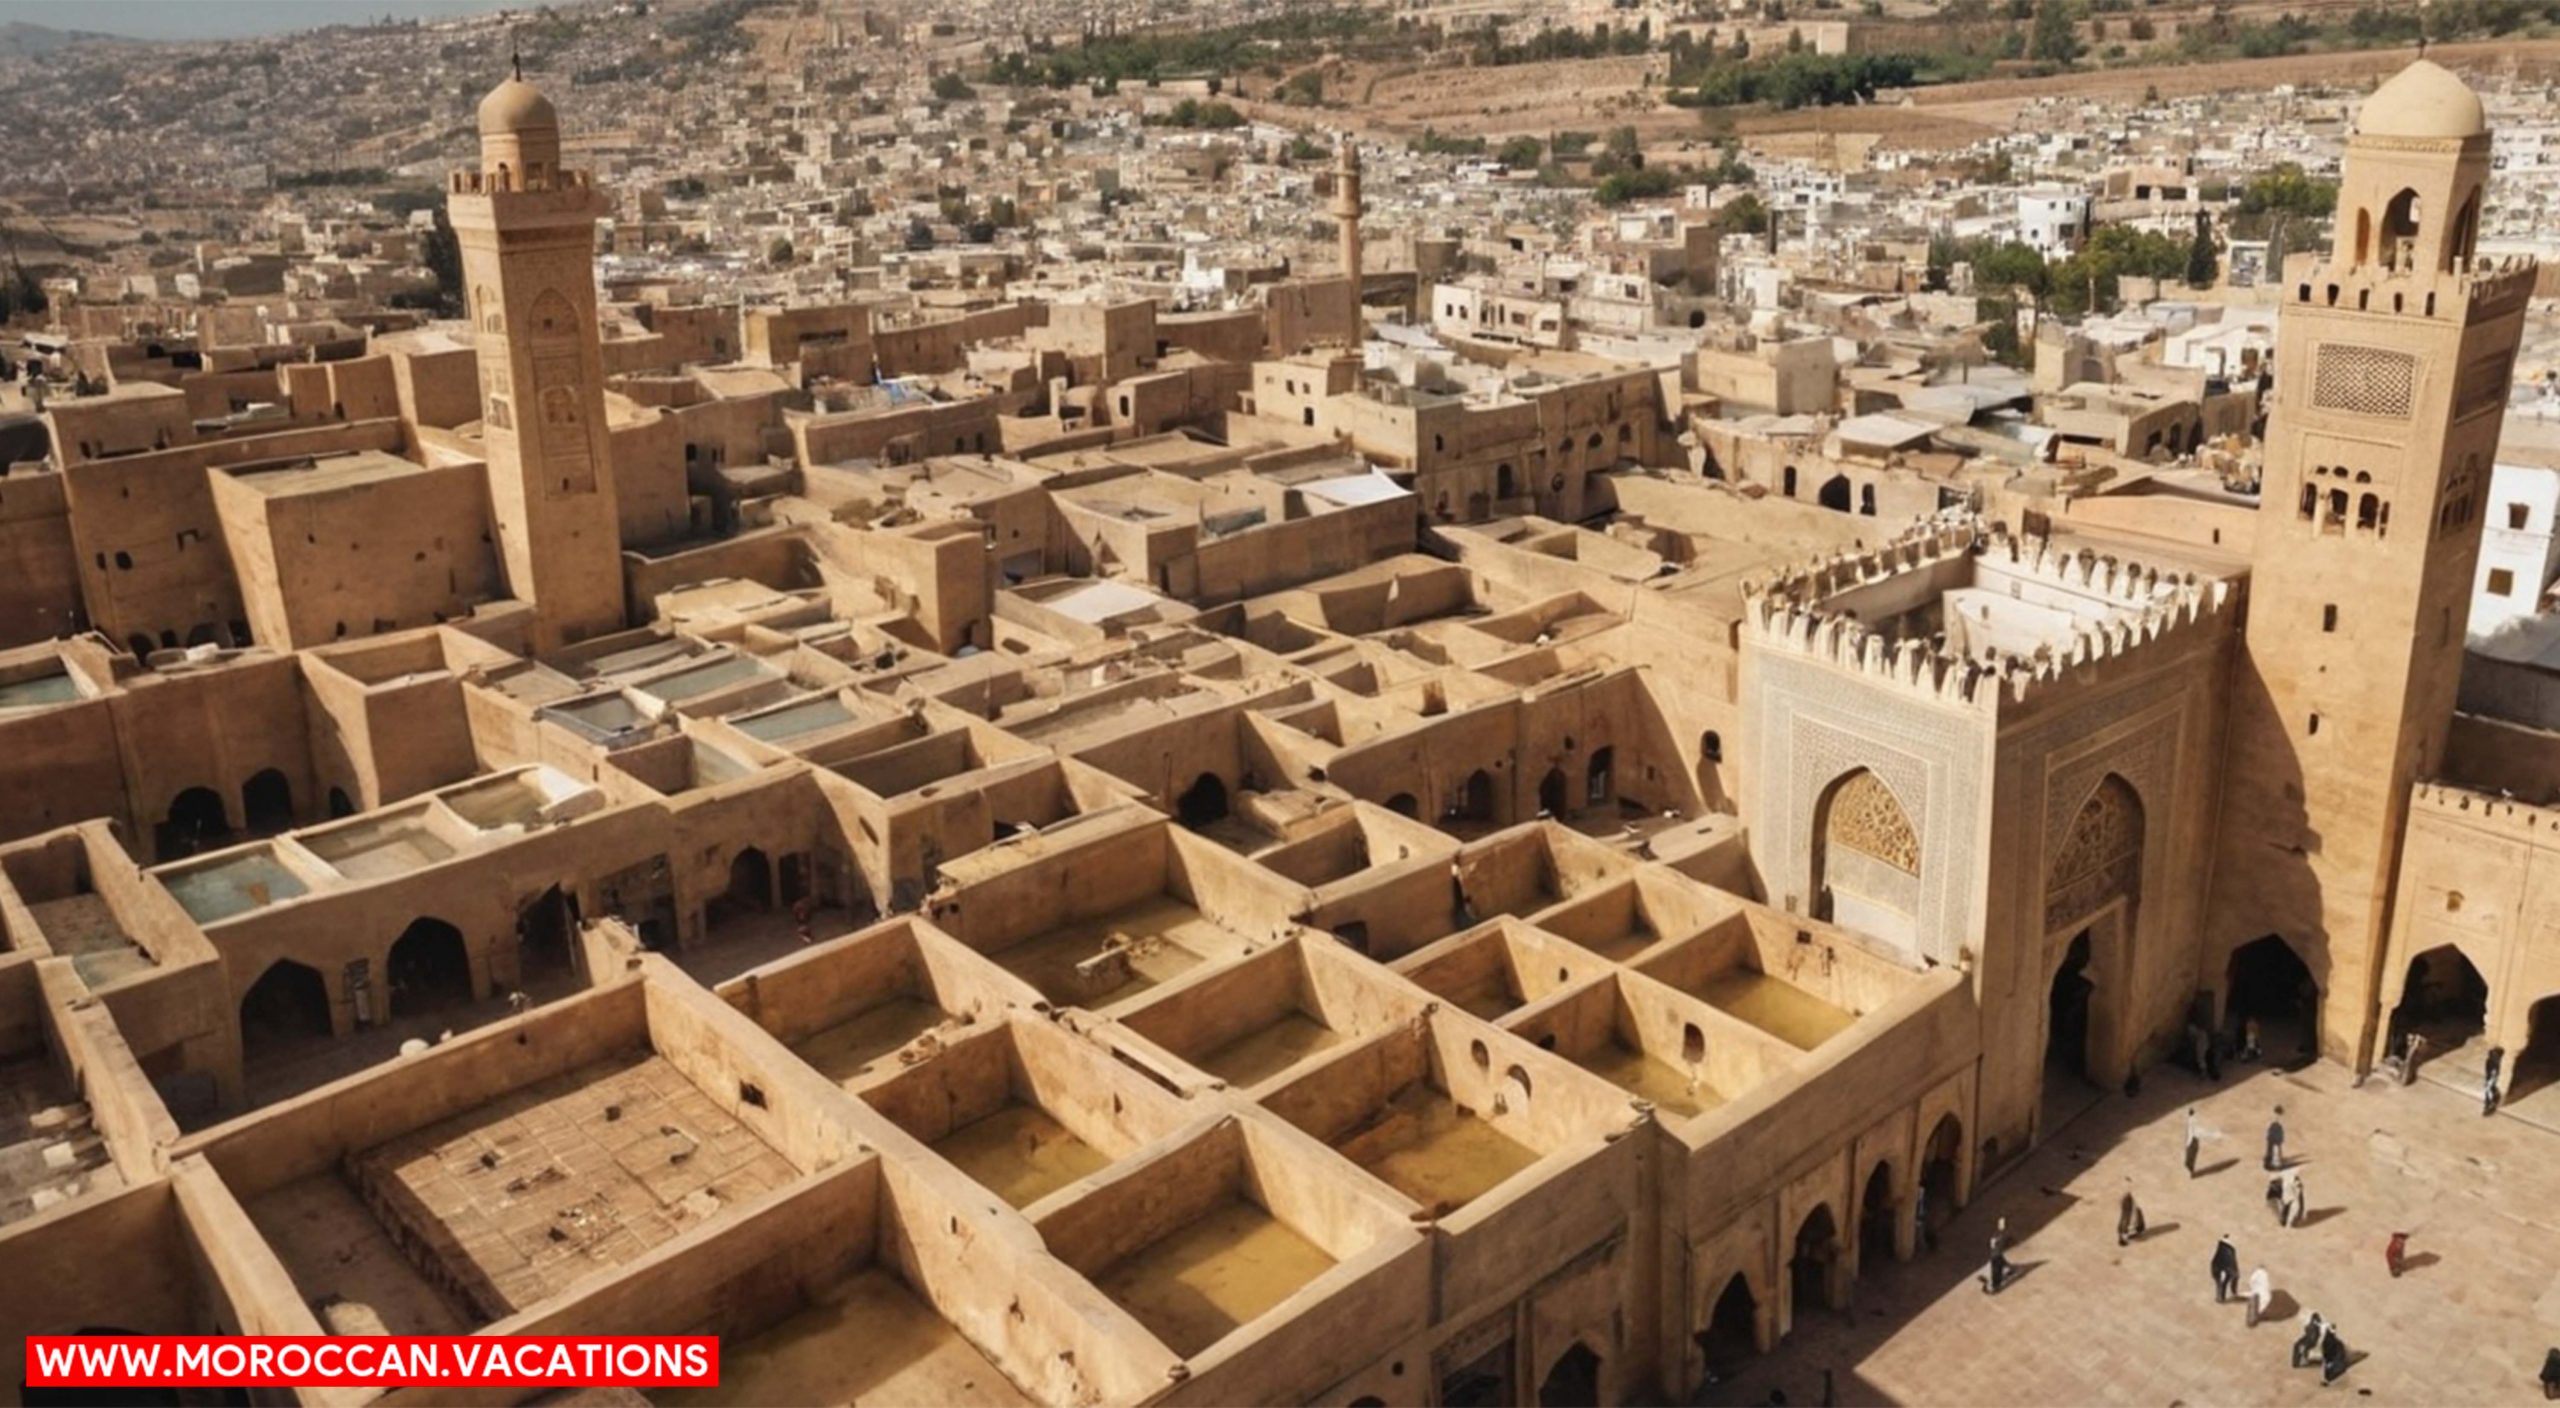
1733,1327
2268,981
266,803
1573,1381
1814,1267
1600,777
1551,792
1835,493
340,804
750,888
2066,1038
287,1006
1866,859
2445,999
1941,1175
1203,803
1403,804
1876,1213
197,821
545,950
429,969
1474,801
2092,892
2537,1066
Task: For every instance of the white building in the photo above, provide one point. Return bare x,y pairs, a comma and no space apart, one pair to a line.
2054,221
2519,544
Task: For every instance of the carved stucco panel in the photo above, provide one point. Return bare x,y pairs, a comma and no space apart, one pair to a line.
1816,725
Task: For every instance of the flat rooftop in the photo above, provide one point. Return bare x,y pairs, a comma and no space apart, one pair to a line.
329,473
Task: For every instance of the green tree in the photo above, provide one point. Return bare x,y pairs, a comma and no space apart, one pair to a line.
1638,183
2285,187
1743,215
2056,36
950,87
778,252
1522,153
2202,263
2008,268
442,254
1999,317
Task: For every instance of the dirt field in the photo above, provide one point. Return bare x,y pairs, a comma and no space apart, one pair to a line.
1591,94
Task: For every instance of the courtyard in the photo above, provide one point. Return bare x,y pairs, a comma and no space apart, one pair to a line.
2085,1322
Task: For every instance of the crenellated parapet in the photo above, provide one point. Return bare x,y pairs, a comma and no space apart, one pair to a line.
1795,612
2524,821
2483,285
482,183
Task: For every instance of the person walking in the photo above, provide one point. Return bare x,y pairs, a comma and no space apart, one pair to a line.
2195,1140
2129,1223
2226,1270
2275,1141
2261,1291
1997,1274
2409,1055
2333,1355
2308,1343
2489,1081
2395,1253
2551,1375
2295,1200
2249,1050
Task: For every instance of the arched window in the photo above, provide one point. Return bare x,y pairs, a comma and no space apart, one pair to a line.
2400,230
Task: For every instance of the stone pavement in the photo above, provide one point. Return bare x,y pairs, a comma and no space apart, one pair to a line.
2088,1323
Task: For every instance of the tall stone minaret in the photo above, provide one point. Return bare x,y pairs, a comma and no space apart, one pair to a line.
2393,359
1346,219
527,227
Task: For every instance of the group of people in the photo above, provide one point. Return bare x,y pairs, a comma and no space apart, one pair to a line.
2403,1068
2257,1290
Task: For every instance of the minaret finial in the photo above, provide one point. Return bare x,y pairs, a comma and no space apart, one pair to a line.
515,53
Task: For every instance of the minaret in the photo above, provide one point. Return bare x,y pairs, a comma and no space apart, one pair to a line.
1346,219
2392,365
527,227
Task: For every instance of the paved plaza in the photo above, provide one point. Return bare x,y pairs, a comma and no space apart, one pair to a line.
2088,1323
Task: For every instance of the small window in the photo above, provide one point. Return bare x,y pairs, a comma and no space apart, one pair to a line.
2501,582
2518,515
2329,618
2314,727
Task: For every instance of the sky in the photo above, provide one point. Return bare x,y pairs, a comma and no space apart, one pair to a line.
230,19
